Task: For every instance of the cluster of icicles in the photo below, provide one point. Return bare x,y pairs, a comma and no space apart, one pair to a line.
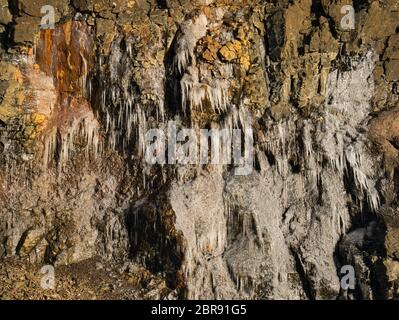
333,135
62,140
334,138
72,121
331,139
329,136
127,120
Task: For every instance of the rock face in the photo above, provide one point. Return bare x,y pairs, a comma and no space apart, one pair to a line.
77,101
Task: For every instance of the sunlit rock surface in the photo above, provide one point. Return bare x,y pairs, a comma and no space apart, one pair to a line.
76,102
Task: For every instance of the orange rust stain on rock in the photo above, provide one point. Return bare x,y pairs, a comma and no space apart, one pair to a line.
18,77
67,28
76,108
44,51
66,54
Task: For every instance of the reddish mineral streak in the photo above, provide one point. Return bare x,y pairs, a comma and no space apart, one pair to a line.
65,55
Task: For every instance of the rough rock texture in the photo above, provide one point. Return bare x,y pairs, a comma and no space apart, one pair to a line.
76,102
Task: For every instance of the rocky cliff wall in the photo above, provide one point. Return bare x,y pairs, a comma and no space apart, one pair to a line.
77,100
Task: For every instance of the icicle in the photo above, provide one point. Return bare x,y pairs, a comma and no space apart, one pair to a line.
346,109
84,75
191,31
49,147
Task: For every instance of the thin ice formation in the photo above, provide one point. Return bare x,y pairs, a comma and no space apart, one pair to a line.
126,114
60,141
195,93
335,134
191,31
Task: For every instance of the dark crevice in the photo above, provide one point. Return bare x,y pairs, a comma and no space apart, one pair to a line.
7,38
306,284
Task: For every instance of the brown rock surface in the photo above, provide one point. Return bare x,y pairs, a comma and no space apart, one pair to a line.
77,101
